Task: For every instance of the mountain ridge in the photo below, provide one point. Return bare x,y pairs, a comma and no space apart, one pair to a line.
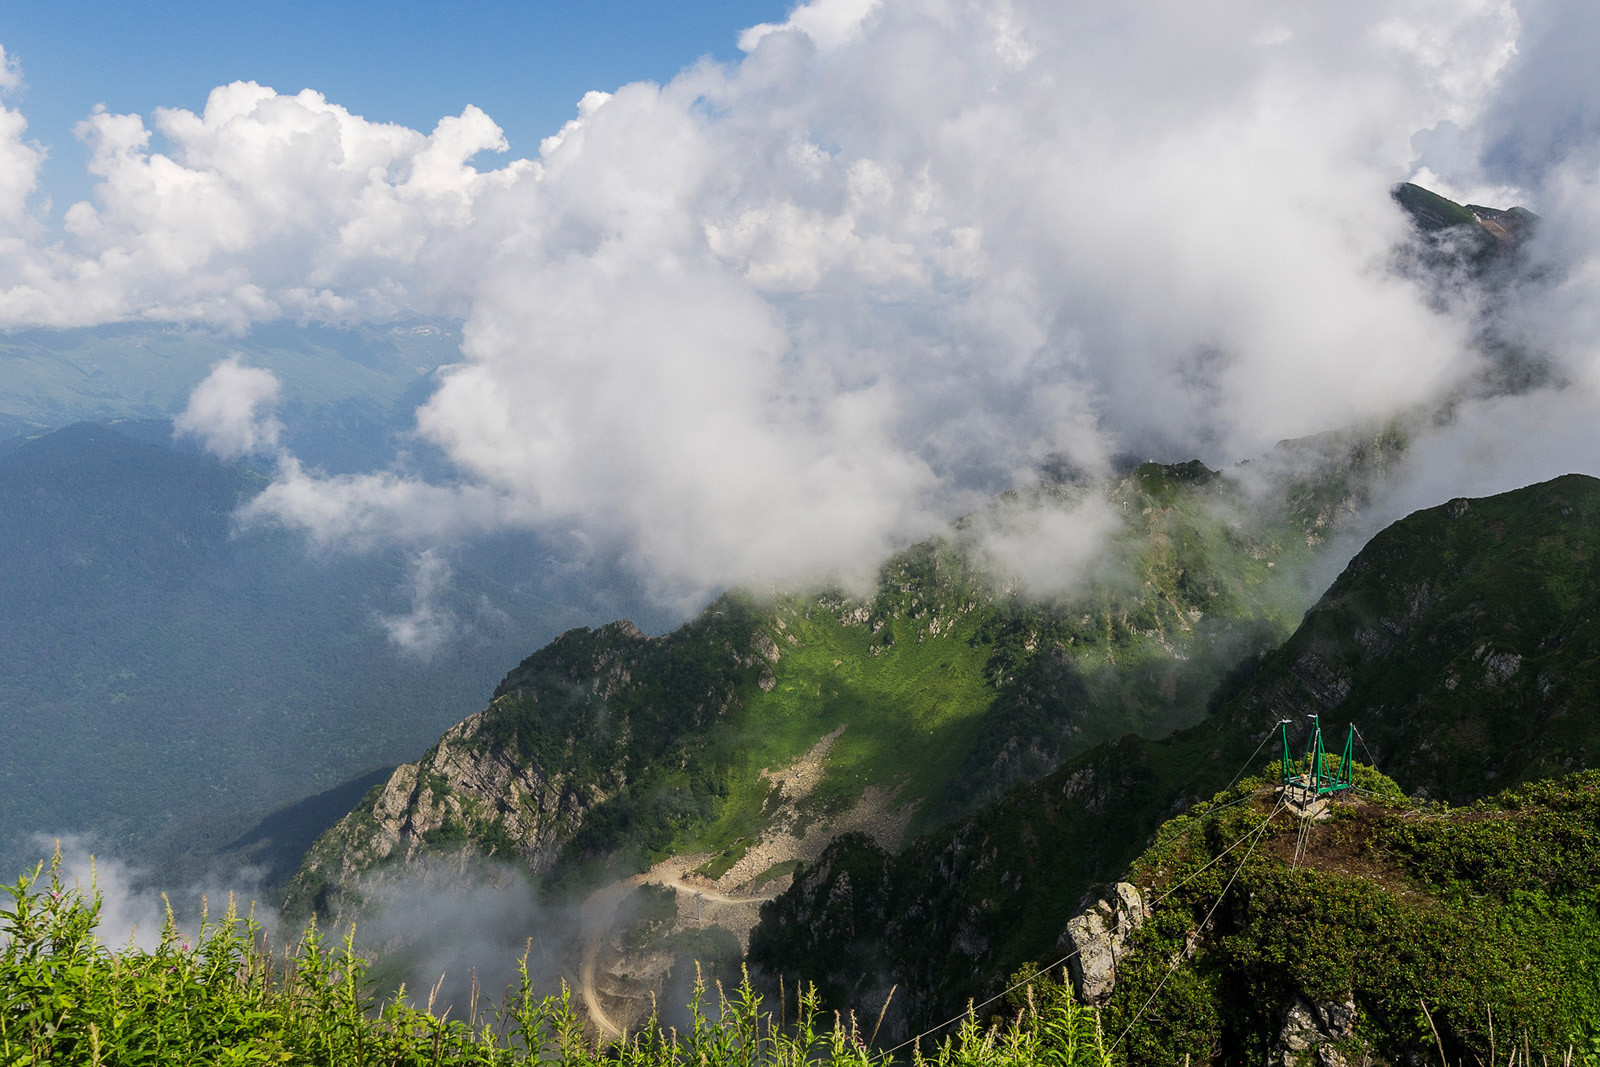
926,699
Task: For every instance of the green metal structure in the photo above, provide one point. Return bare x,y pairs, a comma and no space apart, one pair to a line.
1316,779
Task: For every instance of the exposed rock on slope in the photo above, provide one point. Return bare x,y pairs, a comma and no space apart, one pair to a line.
1097,937
570,728
455,786
1313,1032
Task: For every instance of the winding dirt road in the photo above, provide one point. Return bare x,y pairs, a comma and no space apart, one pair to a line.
599,913
674,880
876,813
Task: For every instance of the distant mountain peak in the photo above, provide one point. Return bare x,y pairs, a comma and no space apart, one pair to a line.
1491,231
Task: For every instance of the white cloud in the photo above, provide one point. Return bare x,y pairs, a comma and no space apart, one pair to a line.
1496,445
828,23
1546,108
429,624
19,163
363,510
230,411
263,206
131,912
773,317
1046,547
10,73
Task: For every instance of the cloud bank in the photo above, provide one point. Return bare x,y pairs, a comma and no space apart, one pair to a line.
774,317
429,624
229,411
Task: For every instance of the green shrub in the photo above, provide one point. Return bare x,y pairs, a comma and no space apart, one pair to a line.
1489,915
65,998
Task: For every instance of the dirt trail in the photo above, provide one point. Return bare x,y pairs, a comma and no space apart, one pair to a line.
876,813
599,914
674,880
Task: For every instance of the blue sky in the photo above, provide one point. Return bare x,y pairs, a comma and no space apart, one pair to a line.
525,63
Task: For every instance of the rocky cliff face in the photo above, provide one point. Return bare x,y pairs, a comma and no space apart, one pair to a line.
1097,937
457,793
572,727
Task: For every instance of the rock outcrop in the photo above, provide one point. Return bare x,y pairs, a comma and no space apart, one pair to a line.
573,727
1320,1032
458,788
1099,937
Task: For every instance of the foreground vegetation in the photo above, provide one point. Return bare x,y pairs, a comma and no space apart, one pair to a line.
1466,934
224,998
1453,933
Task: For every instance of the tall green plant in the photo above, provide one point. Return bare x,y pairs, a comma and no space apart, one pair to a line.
225,998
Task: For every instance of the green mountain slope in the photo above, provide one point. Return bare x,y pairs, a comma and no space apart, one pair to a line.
1388,647
1468,236
713,760
1463,640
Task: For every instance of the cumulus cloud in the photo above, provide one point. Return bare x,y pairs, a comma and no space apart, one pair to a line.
231,410
20,160
263,206
827,23
773,317
364,510
429,624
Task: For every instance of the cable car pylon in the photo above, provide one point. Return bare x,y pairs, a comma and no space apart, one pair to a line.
1308,781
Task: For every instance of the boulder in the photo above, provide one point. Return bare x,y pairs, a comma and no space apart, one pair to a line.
1315,1032
1098,937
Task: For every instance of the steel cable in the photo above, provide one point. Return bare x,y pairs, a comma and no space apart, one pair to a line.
1259,832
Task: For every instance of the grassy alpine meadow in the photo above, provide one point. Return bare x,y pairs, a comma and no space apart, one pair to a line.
918,700
225,997
948,664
